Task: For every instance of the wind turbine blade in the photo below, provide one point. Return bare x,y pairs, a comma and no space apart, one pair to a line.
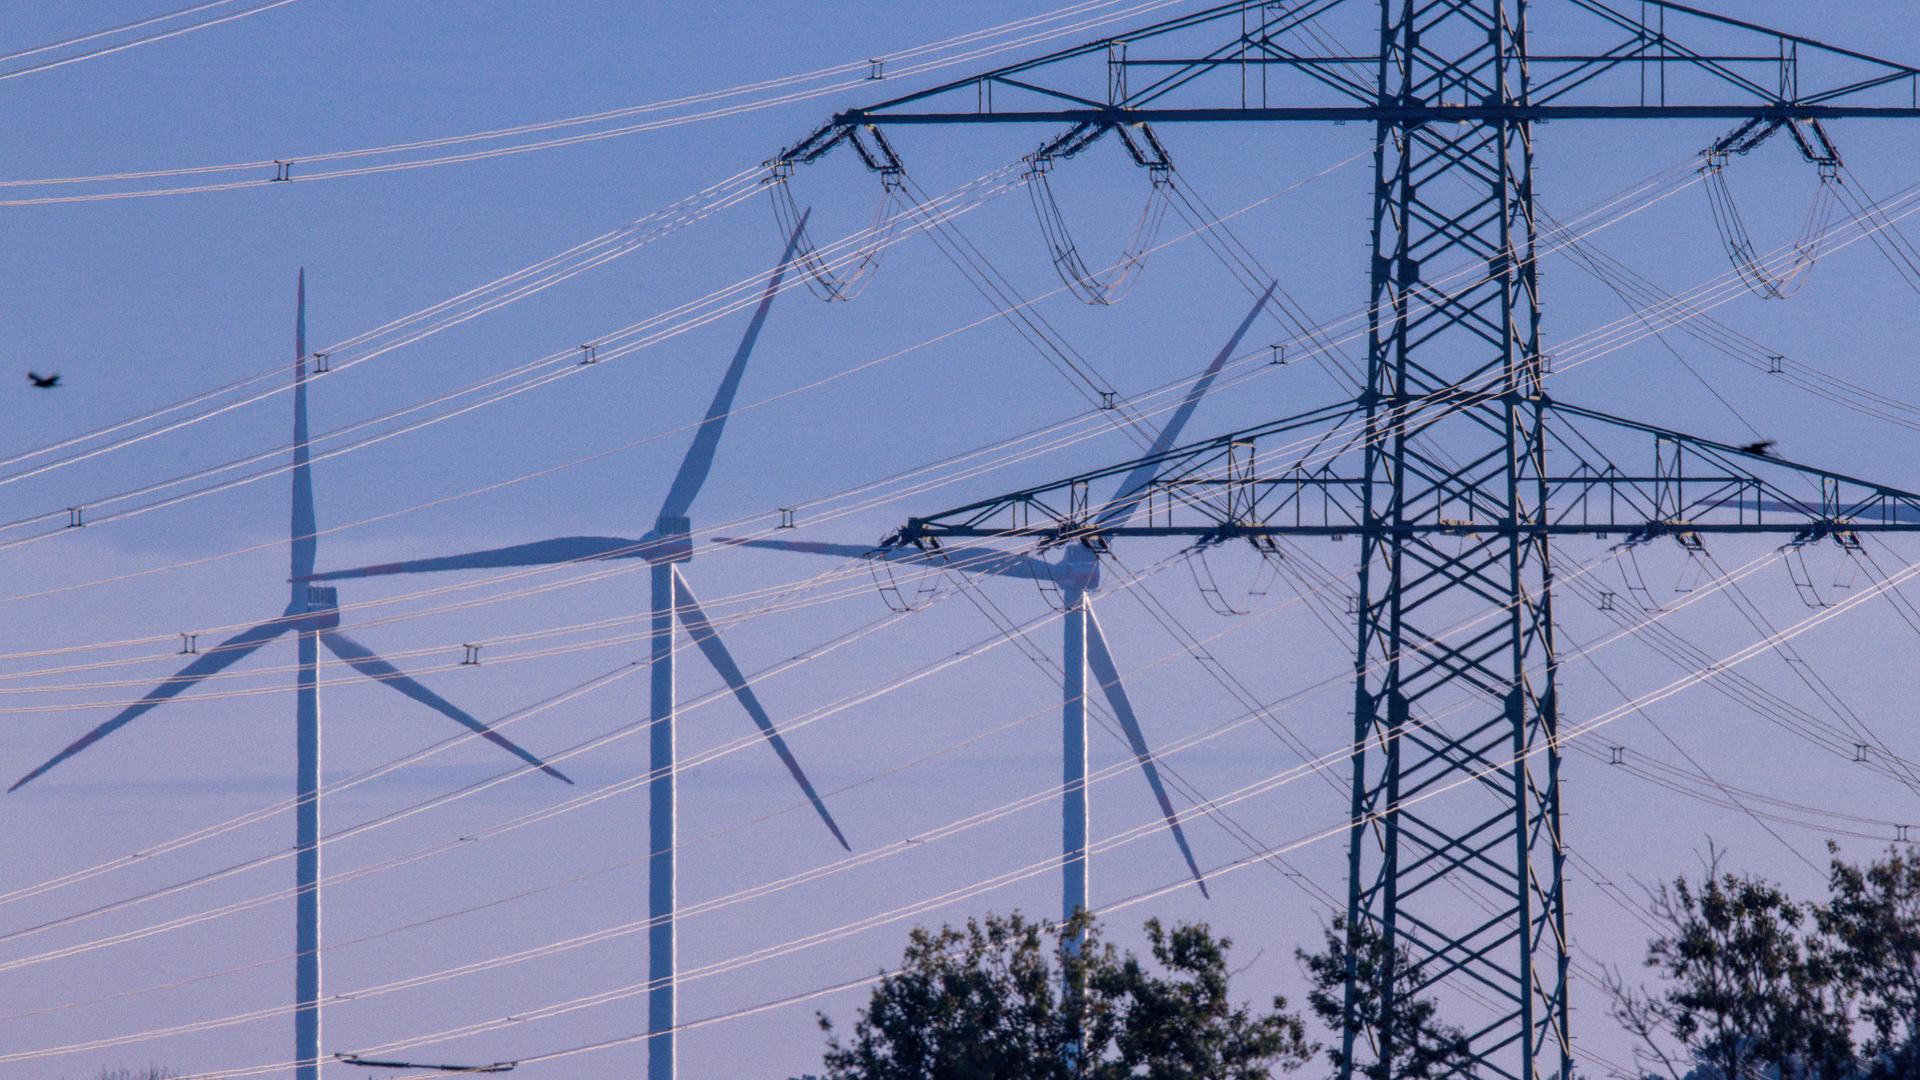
708,640
220,657
805,547
1894,510
559,550
362,660
304,524
1101,661
984,560
972,560
1126,499
699,460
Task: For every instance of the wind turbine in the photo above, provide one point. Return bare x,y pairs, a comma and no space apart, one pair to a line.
668,544
1077,575
313,614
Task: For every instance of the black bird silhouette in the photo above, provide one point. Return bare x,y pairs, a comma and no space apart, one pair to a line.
1764,448
44,382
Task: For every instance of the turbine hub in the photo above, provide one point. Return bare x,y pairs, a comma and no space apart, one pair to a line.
671,542
1078,570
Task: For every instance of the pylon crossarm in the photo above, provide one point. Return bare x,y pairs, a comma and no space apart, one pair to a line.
1061,509
1656,44
1096,92
1683,482
1220,64
1606,475
1759,63
1090,79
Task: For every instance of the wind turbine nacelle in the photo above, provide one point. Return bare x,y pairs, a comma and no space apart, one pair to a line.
1078,571
323,608
671,541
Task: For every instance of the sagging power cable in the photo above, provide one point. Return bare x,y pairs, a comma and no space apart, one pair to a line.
1071,20
145,39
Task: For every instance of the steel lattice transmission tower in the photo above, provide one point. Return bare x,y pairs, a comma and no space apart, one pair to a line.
1449,486
1444,195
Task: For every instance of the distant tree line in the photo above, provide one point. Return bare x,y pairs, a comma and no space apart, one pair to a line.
1751,983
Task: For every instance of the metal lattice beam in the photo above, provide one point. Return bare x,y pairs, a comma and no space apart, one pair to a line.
1303,476
1259,62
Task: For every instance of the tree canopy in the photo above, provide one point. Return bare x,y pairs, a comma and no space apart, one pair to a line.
1004,998
1404,1028
1749,983
1758,983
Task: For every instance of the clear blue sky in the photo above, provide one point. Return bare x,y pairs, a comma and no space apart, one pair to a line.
141,302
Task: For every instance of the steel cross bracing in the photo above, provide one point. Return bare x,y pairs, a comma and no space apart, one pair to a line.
1453,468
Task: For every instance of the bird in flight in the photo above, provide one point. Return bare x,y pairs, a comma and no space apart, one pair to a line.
44,382
1764,448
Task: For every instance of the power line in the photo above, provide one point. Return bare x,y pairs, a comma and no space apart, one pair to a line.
1241,794
148,39
286,173
1035,799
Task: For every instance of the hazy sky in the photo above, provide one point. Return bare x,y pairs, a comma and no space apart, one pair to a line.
143,302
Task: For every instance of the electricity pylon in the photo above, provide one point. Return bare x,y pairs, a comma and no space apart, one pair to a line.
1445,479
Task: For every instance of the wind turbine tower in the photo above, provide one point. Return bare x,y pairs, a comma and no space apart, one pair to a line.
312,615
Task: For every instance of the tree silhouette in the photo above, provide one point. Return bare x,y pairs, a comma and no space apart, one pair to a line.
1402,1029
1752,986
1006,999
1872,920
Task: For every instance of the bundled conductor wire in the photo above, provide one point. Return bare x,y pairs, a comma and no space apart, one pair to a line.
1782,281
1113,284
855,273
